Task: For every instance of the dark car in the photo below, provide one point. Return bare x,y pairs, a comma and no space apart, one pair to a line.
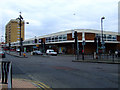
2,54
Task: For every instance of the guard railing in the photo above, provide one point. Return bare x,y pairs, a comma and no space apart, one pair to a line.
6,73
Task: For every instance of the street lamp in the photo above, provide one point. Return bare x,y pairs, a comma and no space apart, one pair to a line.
20,18
102,34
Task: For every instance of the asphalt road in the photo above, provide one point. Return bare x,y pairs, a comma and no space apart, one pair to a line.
61,72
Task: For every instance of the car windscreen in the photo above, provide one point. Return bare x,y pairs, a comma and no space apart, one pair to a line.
51,51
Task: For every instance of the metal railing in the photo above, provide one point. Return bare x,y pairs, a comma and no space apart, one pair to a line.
6,73
99,57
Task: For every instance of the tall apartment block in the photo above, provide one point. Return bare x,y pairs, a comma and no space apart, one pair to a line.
12,33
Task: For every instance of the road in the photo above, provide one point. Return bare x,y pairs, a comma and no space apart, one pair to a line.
61,72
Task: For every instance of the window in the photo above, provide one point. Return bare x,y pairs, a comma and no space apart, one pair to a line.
65,37
52,39
56,38
60,38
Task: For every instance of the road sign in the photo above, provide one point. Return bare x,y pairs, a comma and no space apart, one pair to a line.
83,43
103,47
102,42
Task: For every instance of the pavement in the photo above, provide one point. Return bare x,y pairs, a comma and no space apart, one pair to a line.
19,83
16,54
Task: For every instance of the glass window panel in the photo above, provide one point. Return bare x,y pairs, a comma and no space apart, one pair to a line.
65,37
60,37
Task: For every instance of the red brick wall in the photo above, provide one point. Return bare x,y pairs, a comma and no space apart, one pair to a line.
118,38
69,36
89,36
79,36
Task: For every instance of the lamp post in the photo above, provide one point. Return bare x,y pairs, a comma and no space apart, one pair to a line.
102,34
20,18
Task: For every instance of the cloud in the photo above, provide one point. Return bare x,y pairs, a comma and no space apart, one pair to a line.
48,16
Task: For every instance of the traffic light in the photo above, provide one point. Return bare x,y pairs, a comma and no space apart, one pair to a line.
35,40
99,41
75,37
41,41
21,39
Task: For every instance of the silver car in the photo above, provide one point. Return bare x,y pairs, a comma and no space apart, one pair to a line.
36,52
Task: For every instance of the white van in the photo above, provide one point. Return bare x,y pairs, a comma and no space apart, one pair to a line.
51,52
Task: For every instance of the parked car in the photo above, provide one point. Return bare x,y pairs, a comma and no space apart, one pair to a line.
18,50
36,52
2,54
51,52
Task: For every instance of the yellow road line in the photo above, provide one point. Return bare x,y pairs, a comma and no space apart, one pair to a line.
40,84
44,85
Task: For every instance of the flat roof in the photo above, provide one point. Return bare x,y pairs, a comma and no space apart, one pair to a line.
70,31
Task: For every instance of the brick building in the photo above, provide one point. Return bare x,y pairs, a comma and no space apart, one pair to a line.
12,31
63,42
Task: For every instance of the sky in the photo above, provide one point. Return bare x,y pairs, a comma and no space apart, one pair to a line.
50,16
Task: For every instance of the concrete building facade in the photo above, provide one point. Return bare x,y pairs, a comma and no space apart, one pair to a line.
12,31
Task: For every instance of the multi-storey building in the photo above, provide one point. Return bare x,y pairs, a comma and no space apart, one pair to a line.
64,41
12,33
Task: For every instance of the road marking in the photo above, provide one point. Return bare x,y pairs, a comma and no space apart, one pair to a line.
39,84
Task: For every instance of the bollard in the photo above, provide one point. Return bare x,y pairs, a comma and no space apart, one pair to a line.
2,66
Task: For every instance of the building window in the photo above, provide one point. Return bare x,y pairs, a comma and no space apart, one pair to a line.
64,37
52,39
60,37
56,38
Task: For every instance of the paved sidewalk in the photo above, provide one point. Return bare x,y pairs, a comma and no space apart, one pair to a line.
19,83
16,54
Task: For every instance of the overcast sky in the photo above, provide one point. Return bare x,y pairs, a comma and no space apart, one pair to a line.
50,16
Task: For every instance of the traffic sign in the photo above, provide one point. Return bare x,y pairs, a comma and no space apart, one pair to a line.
83,43
103,47
102,42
